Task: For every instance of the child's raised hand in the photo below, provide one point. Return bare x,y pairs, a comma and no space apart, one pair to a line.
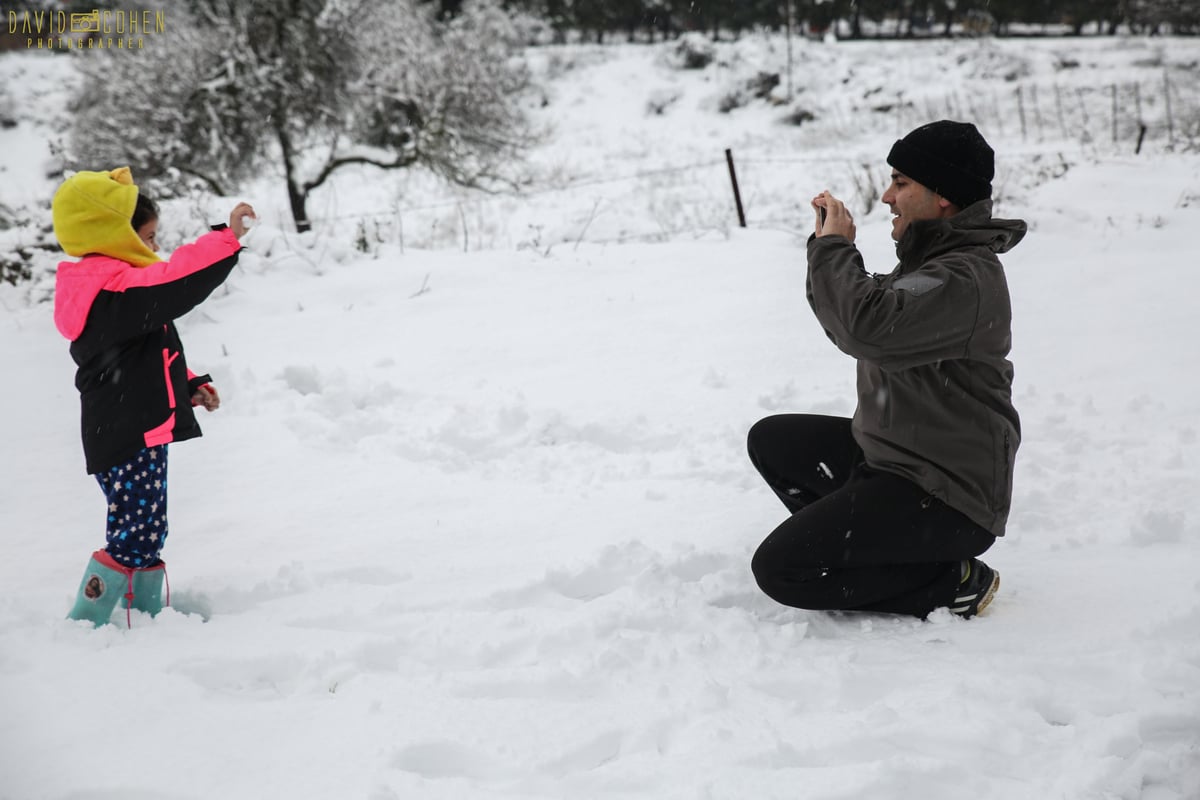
239,219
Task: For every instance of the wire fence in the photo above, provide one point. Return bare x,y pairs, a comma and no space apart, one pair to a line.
1036,128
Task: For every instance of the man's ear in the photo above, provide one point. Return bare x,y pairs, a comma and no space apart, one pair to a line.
947,208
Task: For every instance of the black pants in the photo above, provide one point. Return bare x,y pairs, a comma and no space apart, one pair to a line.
858,538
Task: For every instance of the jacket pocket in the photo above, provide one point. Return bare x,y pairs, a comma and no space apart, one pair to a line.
161,434
1002,490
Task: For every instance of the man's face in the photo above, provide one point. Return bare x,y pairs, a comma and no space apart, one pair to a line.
911,201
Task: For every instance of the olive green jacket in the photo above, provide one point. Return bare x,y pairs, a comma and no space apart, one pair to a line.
932,340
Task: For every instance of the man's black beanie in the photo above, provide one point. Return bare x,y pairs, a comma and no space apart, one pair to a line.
951,158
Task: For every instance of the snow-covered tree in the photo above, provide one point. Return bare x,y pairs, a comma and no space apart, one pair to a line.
309,85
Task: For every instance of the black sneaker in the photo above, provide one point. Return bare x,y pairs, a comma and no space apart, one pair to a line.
976,589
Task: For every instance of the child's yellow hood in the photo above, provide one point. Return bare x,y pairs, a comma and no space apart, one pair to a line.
93,213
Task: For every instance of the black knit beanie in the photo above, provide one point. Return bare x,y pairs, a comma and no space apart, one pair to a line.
950,158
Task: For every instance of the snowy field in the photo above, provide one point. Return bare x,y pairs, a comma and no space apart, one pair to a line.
475,517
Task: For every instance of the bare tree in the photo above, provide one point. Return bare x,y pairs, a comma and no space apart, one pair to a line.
310,85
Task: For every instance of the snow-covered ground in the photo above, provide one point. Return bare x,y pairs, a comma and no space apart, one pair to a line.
475,518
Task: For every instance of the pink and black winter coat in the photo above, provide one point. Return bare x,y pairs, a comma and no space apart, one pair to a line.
134,384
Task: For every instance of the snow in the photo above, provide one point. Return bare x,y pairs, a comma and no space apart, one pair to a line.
477,521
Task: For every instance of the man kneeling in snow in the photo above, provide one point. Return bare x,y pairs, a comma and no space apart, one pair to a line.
891,509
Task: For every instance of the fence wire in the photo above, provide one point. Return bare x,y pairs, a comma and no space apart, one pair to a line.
1042,125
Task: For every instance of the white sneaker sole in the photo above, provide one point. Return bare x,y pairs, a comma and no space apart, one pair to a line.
963,602
990,593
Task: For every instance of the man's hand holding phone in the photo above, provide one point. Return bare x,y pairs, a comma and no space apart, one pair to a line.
833,219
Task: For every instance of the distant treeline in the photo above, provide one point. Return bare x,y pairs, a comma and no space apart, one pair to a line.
599,20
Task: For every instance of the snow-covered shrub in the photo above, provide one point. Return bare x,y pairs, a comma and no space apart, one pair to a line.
27,245
14,265
310,86
694,51
758,87
762,84
660,100
8,115
733,98
799,116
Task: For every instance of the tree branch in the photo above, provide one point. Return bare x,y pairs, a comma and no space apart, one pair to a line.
403,160
210,181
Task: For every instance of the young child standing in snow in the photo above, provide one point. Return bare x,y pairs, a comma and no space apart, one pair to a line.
117,306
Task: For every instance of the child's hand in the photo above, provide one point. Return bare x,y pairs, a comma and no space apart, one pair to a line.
237,219
207,396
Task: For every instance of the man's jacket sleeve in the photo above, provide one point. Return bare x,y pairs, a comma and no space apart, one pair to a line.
919,318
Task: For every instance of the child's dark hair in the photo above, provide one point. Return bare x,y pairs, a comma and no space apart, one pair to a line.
144,211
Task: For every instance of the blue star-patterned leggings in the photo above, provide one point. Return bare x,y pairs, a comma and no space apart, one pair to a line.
137,507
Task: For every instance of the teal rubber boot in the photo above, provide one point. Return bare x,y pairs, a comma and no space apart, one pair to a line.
148,589
104,583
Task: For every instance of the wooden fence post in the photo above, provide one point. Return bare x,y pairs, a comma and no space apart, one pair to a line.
737,195
1021,112
1114,113
1170,117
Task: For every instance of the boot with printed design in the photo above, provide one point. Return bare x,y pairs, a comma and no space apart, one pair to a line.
104,583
